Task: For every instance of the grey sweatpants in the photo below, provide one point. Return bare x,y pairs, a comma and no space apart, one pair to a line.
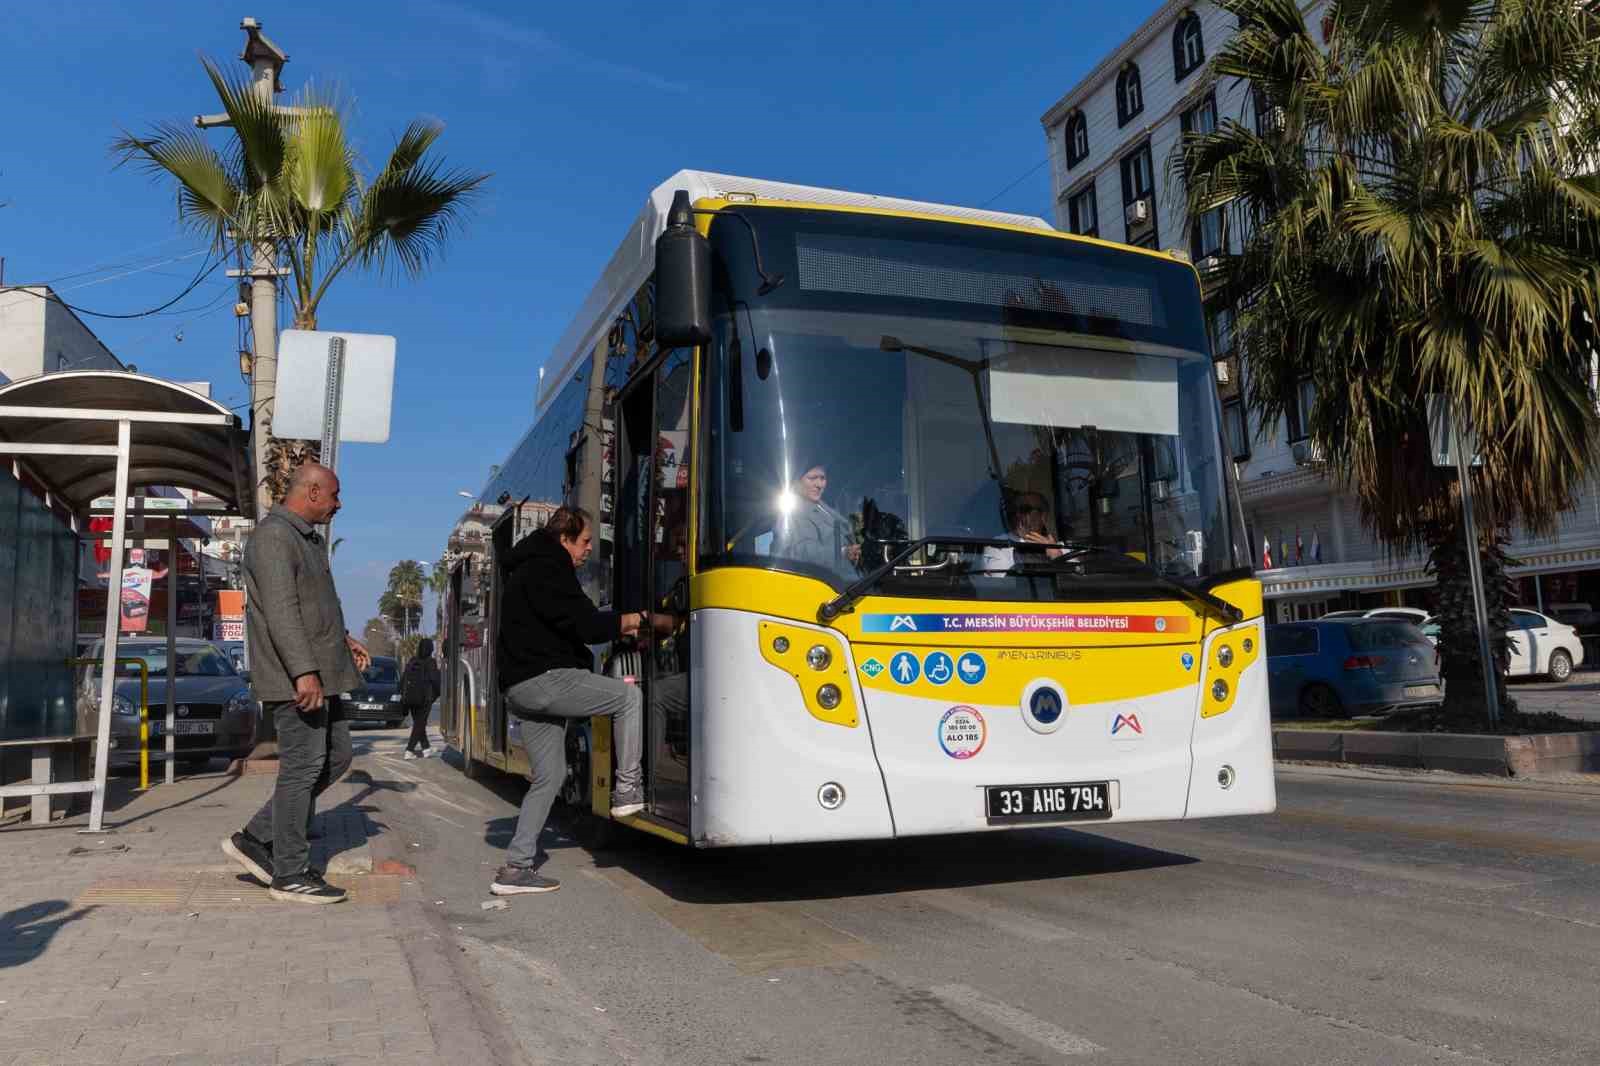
313,753
555,697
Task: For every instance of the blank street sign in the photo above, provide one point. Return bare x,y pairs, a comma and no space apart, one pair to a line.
303,385
1440,431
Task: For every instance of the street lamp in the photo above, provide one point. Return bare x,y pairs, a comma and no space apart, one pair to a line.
465,493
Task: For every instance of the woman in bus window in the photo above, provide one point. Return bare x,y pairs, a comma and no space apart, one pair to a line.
813,532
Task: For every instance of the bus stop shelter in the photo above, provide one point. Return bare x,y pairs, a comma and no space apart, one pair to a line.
86,435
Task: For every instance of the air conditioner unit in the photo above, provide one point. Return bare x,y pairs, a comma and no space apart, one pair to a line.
1306,452
1223,373
1138,212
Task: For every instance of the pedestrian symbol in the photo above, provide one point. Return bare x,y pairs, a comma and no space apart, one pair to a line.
904,667
938,667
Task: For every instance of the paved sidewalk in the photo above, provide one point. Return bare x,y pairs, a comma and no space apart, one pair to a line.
147,945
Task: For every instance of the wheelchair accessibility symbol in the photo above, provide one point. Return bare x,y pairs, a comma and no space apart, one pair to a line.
938,667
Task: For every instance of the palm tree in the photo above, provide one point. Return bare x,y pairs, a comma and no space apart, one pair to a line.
1418,215
290,182
404,595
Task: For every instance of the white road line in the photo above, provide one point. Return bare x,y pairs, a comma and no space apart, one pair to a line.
1018,1021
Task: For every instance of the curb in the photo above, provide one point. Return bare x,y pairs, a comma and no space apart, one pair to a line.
1467,753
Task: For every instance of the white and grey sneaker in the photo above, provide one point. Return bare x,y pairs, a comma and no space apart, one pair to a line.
306,887
408,756
626,801
521,880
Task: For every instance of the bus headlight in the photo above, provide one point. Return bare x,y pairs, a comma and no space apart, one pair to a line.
828,697
1224,656
819,657
831,796
1226,777
1219,690
780,645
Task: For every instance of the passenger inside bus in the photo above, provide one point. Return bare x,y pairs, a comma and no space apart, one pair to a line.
811,531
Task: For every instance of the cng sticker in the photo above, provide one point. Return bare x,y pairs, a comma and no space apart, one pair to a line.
1044,705
872,668
962,732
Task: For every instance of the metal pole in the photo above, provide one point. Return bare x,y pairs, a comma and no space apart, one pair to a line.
1480,607
172,643
108,650
332,401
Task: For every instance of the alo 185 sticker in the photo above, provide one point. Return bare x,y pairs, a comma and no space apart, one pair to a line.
962,732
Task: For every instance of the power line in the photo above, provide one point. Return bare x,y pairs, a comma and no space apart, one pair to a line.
1031,172
206,269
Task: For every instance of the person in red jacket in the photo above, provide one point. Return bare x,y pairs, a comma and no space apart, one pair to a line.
547,624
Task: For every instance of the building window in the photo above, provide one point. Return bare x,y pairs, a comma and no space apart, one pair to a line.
1206,240
1236,430
1301,404
1130,94
1222,331
1188,47
1138,196
1077,138
1082,215
1202,117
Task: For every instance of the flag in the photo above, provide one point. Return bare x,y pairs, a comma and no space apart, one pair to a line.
1283,549
1316,547
1266,553
1299,548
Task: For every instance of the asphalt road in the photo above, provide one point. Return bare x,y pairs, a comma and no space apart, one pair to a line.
1373,919
1577,697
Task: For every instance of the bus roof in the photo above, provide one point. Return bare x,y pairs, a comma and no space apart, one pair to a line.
635,258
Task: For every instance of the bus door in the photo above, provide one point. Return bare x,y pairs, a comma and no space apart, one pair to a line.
452,704
491,703
652,510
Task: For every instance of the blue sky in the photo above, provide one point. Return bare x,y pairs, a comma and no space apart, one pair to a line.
578,110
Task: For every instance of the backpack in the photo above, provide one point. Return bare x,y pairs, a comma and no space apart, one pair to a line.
415,688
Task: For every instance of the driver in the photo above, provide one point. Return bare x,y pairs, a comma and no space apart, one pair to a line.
1029,526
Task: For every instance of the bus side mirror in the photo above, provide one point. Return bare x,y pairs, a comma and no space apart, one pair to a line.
683,280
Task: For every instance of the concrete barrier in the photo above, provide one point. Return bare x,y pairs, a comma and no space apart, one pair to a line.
1466,753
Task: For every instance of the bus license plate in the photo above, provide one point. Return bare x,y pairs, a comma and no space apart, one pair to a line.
1070,802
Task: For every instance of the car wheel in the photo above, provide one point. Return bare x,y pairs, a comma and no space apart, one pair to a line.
1320,701
1560,666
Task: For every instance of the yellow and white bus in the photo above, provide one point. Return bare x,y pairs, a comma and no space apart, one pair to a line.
939,499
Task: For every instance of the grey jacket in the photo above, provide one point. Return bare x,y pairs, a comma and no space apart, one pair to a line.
295,623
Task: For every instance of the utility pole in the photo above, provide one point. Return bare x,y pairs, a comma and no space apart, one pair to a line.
265,61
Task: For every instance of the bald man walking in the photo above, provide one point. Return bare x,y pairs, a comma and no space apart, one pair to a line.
301,656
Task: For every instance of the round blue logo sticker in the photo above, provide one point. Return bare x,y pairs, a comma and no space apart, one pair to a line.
938,667
971,668
1044,705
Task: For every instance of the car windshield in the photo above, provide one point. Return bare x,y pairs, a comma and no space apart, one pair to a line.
915,379
1376,635
381,672
205,661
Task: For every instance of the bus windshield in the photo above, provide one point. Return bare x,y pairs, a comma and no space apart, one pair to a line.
913,379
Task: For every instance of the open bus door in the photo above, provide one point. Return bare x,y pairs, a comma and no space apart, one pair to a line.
651,572
452,702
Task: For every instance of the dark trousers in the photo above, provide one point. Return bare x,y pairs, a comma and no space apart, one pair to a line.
313,753
419,729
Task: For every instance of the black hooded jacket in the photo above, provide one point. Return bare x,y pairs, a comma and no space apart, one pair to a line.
546,621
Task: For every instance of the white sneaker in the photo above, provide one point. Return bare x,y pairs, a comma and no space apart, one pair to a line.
408,756
429,753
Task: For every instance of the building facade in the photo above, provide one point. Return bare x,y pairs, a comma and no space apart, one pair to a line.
1111,140
41,335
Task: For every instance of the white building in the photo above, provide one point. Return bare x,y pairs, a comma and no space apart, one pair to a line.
1110,140
40,335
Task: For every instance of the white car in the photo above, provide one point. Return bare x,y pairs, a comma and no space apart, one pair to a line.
1541,646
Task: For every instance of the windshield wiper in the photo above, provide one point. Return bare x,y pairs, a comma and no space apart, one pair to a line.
855,590
1129,565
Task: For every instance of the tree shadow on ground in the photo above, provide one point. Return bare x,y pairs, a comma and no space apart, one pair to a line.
26,932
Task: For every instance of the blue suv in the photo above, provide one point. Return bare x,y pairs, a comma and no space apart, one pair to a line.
1339,667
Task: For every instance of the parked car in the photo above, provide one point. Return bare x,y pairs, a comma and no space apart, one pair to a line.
1336,668
234,650
378,698
1415,615
1540,645
1345,614
215,715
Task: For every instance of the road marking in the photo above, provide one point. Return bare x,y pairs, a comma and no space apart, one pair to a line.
1018,1021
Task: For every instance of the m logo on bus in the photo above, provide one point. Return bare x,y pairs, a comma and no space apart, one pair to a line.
903,621
1044,705
1126,726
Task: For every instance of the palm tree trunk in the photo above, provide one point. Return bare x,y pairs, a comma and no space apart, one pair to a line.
1458,631
263,369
